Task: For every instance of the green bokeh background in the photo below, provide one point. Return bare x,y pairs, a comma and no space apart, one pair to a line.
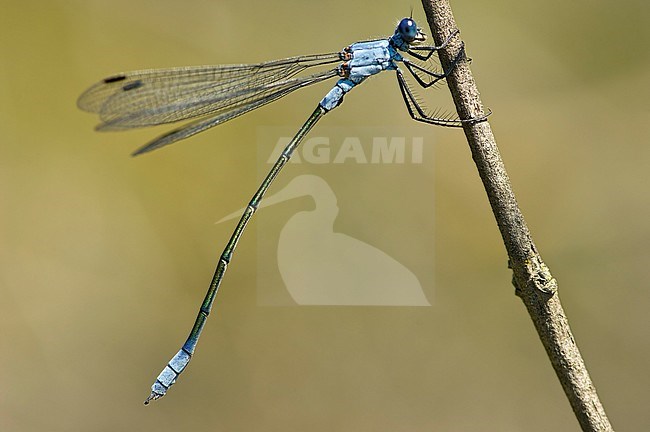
104,258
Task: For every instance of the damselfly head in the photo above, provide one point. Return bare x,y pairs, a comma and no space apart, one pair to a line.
419,38
410,32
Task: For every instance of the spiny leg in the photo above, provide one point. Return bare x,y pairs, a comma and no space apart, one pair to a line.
430,49
412,67
179,362
418,114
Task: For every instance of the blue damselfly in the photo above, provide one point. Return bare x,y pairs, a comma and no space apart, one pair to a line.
215,94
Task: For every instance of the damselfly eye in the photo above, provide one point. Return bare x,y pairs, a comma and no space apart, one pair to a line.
407,29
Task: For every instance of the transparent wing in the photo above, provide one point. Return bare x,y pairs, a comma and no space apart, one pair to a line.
159,96
246,101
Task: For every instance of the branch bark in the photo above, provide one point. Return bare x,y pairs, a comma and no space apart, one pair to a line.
532,279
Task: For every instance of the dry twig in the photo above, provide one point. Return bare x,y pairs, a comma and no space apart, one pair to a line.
532,279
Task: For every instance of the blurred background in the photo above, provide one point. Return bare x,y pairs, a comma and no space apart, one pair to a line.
105,258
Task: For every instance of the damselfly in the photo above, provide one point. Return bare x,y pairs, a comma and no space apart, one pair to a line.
216,94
